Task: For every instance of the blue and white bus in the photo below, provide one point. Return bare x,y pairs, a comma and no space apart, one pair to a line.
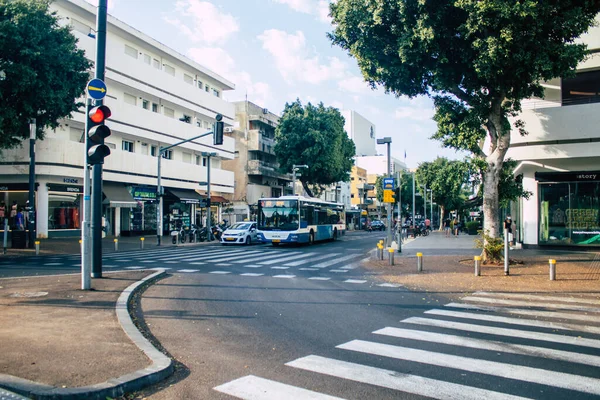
298,219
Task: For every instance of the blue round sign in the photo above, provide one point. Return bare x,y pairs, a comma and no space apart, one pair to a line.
96,89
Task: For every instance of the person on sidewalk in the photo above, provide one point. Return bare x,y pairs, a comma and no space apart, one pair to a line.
447,226
456,227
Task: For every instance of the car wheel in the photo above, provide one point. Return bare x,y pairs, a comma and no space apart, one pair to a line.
311,238
248,240
335,234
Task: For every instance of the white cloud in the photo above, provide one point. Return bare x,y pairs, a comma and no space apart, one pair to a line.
337,104
355,84
208,24
219,61
294,61
318,8
418,109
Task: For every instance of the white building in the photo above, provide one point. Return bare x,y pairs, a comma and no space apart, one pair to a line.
157,97
560,159
362,132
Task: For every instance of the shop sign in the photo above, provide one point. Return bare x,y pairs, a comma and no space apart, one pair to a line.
143,193
8,187
574,176
71,180
65,188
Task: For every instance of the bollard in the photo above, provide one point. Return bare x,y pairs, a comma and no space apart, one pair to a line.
381,253
477,265
391,255
142,242
419,262
552,264
378,251
116,244
81,245
37,247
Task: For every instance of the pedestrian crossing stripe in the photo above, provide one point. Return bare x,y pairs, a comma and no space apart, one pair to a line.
251,274
296,263
319,278
187,270
527,304
220,272
523,296
284,276
255,388
355,281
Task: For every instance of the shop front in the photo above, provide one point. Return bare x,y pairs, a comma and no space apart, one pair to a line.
13,197
569,208
138,216
179,208
64,210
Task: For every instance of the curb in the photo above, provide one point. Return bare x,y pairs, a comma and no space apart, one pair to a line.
161,367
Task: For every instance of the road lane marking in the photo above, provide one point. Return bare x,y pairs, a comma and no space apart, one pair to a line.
262,257
355,281
494,368
254,388
284,276
539,297
251,274
398,381
188,270
319,278
529,304
295,257
338,270
296,263
333,262
220,272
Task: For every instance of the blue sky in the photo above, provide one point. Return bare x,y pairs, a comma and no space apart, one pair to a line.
277,51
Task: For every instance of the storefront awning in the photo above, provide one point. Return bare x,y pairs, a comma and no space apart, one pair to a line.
218,199
186,195
118,196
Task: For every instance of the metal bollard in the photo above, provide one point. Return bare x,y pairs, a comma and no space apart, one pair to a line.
37,247
81,245
477,265
391,255
552,264
142,242
116,244
419,262
382,248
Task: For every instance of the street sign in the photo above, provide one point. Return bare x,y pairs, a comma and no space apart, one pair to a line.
388,196
388,183
96,89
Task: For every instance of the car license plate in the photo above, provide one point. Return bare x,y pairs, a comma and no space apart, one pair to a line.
230,239
276,240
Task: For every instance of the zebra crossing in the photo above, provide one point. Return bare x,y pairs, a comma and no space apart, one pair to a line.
266,261
542,346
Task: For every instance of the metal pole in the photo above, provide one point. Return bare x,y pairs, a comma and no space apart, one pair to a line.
86,244
389,205
506,259
413,206
431,210
419,262
159,204
552,264
5,233
208,224
424,203
399,212
97,169
31,210
477,260
294,179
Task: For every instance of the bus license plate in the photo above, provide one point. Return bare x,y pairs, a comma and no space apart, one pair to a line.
276,240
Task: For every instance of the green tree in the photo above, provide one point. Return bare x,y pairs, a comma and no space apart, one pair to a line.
41,70
314,136
477,59
446,179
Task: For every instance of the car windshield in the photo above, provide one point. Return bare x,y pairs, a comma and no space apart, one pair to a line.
278,215
242,226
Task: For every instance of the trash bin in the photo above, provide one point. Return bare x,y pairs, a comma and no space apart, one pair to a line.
18,239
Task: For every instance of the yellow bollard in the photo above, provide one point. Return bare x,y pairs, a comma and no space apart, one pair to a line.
391,255
419,262
552,264
477,265
37,247
142,242
116,244
80,245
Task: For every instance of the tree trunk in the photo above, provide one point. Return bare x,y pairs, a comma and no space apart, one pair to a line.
307,189
442,209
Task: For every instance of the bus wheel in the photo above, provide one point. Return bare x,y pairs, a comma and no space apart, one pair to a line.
311,238
335,234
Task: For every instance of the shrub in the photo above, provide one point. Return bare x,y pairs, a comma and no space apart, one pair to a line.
493,248
472,227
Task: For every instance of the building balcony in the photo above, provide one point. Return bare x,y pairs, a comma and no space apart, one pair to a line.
258,142
258,167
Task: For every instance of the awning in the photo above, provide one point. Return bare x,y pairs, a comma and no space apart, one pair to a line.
117,195
218,199
186,195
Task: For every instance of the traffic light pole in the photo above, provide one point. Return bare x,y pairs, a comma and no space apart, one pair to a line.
161,151
86,260
389,205
96,219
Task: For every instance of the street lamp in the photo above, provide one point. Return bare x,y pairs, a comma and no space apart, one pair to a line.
208,156
388,140
296,168
31,208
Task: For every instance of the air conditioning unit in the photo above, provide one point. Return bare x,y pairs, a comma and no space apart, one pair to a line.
228,129
265,110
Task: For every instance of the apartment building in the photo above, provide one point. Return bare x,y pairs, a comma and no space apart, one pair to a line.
559,160
255,165
157,97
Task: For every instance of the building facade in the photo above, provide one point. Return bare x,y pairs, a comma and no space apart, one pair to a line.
559,159
255,165
362,132
157,98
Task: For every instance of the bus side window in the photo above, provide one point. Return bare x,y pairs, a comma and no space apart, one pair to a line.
309,213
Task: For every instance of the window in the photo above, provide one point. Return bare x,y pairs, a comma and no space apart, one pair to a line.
80,27
127,146
216,92
130,99
168,155
145,104
169,70
206,88
153,151
169,112
130,51
198,158
187,158
188,79
147,59
156,63
154,107
206,125
111,145
145,149
200,84
204,161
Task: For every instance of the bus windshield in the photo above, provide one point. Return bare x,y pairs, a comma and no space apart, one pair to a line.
280,215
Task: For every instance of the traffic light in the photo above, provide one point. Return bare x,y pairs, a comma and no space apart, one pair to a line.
97,132
388,196
218,131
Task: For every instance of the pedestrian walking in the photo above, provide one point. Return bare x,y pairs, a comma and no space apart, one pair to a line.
447,226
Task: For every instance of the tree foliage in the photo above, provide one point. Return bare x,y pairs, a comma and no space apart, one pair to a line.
477,59
42,72
314,136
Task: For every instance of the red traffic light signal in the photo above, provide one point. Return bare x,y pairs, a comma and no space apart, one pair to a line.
97,132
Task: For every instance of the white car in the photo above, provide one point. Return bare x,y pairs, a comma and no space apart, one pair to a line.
240,233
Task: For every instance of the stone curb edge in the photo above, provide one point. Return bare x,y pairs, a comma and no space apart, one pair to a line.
161,367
